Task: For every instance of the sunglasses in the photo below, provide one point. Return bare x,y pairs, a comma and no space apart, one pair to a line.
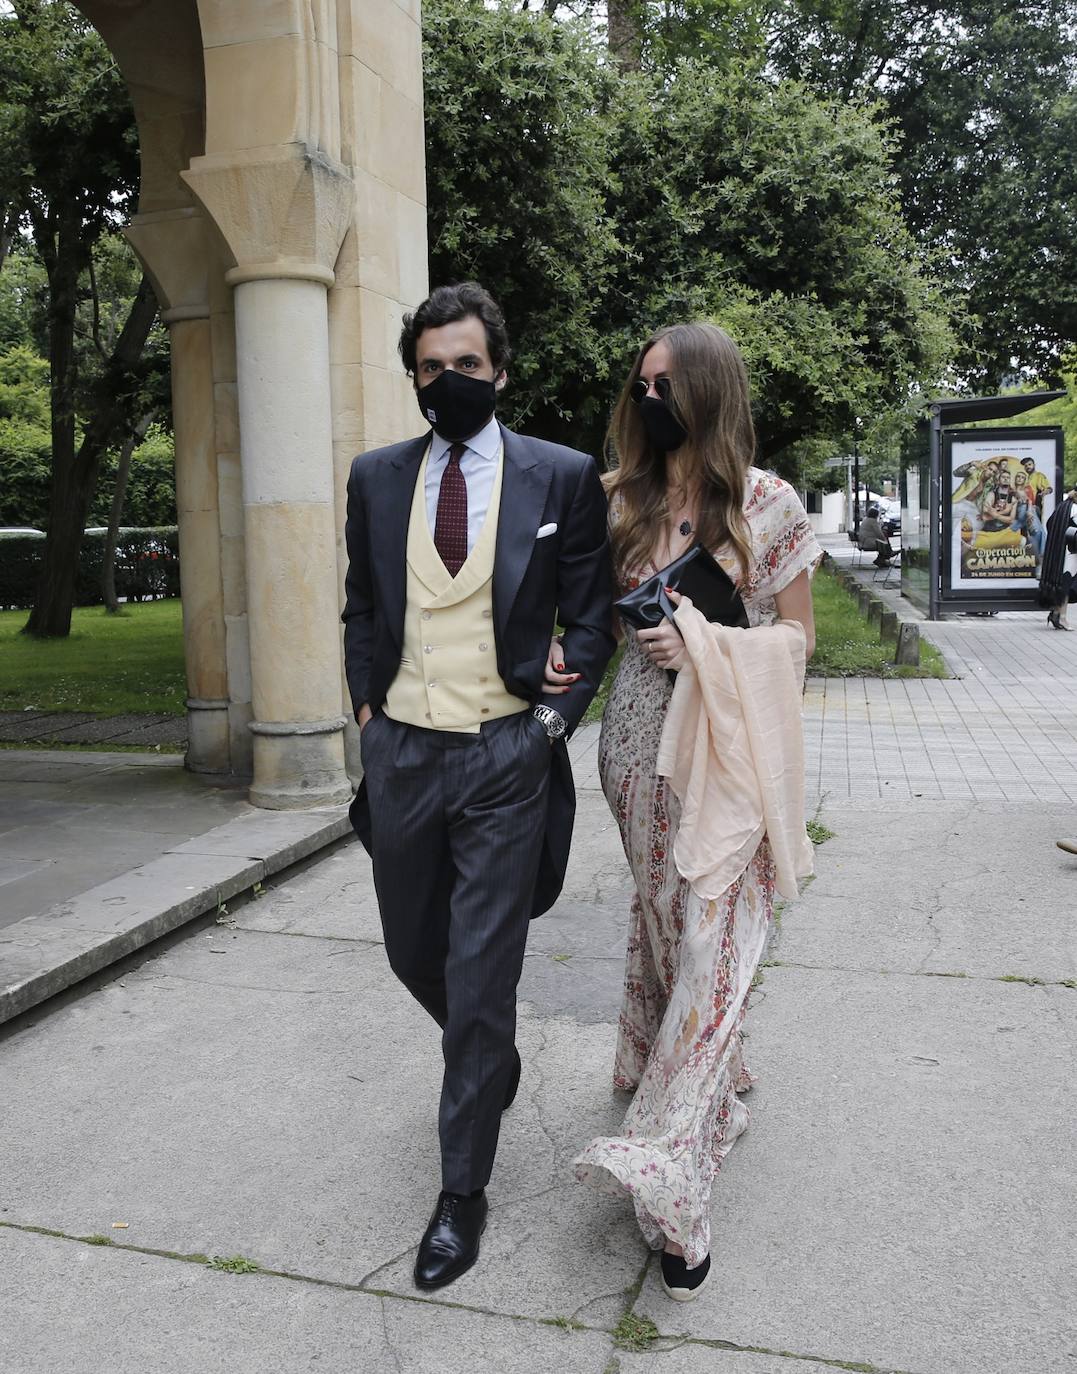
638,390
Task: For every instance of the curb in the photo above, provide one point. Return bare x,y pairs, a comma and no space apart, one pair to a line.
891,625
50,952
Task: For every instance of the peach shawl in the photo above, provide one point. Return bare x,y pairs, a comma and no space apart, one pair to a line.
733,750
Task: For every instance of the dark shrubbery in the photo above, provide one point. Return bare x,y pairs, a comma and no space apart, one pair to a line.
147,566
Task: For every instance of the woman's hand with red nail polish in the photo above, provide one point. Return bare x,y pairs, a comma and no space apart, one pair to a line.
556,681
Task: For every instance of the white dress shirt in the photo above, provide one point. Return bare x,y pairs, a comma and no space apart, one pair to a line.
479,466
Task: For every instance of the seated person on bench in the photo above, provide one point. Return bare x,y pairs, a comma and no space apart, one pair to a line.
872,539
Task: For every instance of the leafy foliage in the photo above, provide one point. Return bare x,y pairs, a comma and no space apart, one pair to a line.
68,175
773,211
981,100
1062,412
24,436
25,456
599,209
982,95
23,299
517,150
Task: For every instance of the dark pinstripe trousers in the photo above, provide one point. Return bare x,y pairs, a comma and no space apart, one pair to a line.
457,826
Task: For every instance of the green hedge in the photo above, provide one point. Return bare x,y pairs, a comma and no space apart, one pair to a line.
147,566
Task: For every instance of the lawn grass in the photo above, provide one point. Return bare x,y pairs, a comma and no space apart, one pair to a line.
847,646
108,665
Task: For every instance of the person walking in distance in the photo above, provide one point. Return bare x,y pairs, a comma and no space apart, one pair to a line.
1058,571
465,547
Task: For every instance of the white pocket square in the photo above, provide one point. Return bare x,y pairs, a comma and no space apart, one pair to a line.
544,530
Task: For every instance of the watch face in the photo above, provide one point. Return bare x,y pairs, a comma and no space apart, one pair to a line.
551,721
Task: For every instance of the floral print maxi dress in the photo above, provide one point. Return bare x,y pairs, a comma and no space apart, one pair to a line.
690,961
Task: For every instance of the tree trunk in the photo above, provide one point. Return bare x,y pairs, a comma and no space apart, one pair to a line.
123,469
9,223
54,595
622,34
74,479
772,442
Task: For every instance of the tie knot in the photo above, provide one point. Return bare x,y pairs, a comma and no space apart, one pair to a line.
456,452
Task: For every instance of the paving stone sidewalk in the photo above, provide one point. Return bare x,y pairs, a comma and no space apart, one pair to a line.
1002,728
80,727
71,820
904,1203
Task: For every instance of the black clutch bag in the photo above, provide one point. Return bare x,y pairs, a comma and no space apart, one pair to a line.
695,575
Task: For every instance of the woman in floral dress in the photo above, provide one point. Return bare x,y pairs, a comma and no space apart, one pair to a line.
683,434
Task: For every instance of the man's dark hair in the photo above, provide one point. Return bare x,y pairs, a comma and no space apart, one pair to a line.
446,305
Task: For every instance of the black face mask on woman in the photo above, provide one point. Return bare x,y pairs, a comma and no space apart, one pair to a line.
663,428
457,405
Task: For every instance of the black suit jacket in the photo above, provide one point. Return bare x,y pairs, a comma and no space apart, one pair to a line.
564,578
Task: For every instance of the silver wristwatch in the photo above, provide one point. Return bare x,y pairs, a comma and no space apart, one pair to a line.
553,722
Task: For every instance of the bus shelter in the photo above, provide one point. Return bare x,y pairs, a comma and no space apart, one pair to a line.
975,504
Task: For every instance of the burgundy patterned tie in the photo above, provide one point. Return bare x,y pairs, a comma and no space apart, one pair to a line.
450,524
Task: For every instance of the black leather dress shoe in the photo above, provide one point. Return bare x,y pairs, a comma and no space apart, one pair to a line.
514,1081
450,1244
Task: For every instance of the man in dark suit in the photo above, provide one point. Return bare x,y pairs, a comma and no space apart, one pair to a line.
465,547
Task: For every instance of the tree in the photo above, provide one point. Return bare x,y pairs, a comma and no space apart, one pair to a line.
24,296
982,96
150,496
517,154
725,34
24,436
773,212
655,35
597,209
68,169
115,515
105,299
1062,412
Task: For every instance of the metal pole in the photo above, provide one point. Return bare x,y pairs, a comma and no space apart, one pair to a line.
856,481
934,506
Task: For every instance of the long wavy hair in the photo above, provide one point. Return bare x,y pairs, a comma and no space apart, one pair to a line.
709,396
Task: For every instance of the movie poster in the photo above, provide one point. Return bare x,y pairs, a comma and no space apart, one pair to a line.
1001,494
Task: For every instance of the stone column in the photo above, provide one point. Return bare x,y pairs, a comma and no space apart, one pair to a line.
381,271
282,216
173,245
282,356
230,497
199,544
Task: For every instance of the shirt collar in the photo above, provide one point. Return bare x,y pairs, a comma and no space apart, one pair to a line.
486,444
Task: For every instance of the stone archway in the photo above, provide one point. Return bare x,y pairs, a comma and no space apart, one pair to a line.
282,221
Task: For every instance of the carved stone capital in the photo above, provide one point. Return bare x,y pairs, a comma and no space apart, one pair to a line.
173,247
281,213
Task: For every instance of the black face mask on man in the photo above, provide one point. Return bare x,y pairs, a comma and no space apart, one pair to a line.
663,428
456,405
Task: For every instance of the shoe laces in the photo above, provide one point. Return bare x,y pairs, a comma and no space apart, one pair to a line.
448,1206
